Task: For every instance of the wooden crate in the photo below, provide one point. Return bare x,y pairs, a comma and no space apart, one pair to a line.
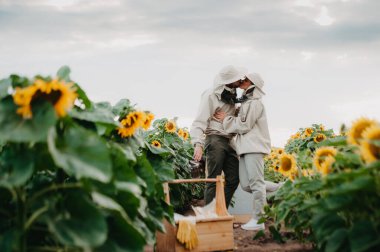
214,234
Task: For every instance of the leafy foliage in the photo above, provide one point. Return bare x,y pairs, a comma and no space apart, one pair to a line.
73,183
176,149
337,211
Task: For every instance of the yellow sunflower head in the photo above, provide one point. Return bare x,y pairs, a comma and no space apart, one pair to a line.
369,149
130,123
354,135
322,127
279,151
156,144
327,165
180,132
308,132
321,156
319,138
60,94
273,155
170,126
149,117
185,135
287,164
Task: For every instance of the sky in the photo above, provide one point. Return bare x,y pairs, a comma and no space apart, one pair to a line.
319,59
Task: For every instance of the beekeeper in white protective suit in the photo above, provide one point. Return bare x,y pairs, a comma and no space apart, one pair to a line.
252,144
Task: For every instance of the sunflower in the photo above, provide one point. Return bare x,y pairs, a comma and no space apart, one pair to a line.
326,165
322,127
186,135
321,157
308,132
60,94
307,172
280,151
354,135
319,138
170,126
287,164
276,168
130,123
371,151
276,165
156,144
147,121
295,136
180,132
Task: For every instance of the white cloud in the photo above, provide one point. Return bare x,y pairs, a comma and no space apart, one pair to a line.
323,18
304,3
77,5
347,111
237,50
163,54
307,55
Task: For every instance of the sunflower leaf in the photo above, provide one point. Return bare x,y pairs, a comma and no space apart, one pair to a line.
4,86
63,73
15,171
81,153
82,96
17,129
81,224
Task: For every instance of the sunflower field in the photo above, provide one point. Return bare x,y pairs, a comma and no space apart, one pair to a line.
76,175
332,194
175,142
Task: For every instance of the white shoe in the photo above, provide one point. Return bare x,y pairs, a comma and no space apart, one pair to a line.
252,225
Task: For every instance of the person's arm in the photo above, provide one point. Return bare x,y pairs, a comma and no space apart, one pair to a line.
241,125
199,125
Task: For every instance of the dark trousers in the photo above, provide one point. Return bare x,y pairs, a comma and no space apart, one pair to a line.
220,156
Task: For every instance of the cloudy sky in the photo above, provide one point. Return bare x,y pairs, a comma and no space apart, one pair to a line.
320,59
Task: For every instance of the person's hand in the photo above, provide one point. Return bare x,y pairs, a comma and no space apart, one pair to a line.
198,152
220,115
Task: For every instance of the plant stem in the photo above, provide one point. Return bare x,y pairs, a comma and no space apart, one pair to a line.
21,214
34,217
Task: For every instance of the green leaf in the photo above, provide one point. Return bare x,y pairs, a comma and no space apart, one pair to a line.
336,240
110,204
336,141
324,224
64,73
4,86
145,171
122,107
125,149
259,235
82,96
81,153
363,237
15,171
374,165
360,183
80,223
276,235
122,237
164,169
7,240
99,113
14,128
338,202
